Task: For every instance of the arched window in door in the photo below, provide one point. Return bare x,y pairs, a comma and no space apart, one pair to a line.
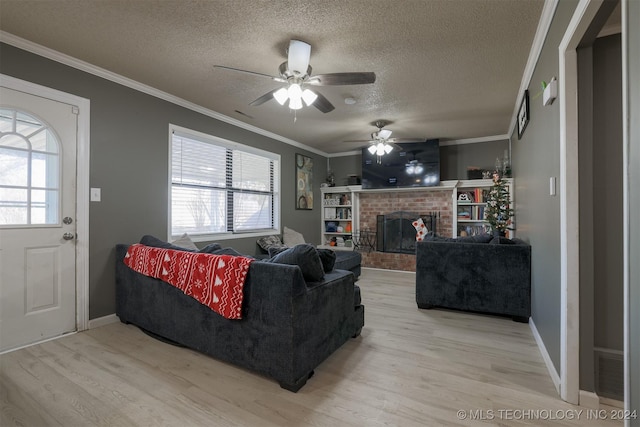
29,171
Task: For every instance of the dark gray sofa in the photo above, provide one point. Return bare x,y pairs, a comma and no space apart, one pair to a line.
482,277
288,326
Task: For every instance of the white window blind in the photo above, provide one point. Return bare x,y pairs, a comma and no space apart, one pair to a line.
220,187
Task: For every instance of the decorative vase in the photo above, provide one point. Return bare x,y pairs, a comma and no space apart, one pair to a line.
499,233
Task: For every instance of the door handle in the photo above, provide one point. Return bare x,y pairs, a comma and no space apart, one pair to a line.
68,236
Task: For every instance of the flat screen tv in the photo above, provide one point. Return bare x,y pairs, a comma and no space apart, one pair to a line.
416,165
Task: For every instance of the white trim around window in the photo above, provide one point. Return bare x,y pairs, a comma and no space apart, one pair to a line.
227,221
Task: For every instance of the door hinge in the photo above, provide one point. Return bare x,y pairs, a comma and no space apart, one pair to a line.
75,110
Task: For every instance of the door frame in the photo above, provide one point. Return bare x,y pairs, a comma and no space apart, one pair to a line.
82,185
569,227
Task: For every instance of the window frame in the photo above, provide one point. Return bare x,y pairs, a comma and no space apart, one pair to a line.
29,187
232,145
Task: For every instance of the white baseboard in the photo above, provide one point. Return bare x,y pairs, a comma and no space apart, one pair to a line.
102,321
589,399
555,377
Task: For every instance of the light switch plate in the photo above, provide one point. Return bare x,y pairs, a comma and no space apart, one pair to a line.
95,194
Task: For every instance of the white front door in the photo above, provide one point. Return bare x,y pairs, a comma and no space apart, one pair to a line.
38,139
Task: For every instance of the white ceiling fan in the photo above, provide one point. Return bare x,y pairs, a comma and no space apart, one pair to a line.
296,73
381,142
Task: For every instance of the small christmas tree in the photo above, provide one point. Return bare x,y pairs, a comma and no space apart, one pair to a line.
498,211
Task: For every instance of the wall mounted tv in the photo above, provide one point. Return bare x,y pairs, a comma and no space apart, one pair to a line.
416,165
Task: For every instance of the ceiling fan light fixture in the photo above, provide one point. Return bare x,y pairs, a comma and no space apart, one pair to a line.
295,103
281,95
388,148
299,54
372,149
309,96
294,91
380,150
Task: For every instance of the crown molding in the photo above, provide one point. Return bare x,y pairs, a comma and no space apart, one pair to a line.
86,67
491,138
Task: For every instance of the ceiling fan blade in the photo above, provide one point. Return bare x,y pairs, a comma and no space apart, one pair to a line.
337,79
359,140
398,140
278,79
384,133
395,146
298,59
323,104
264,98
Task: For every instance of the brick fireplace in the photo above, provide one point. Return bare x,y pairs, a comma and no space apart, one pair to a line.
373,204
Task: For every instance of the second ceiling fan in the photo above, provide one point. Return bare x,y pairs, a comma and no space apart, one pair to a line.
296,73
381,142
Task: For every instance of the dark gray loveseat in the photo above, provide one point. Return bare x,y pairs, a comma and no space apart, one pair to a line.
482,277
288,326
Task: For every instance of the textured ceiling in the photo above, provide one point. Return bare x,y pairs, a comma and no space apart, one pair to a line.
447,69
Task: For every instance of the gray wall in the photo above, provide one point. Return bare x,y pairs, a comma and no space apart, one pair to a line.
455,159
587,228
344,166
129,161
633,90
535,160
601,202
607,192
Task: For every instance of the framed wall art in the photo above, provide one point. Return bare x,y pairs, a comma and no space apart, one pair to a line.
523,114
304,182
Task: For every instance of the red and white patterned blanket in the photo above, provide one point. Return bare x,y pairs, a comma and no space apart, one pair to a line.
216,281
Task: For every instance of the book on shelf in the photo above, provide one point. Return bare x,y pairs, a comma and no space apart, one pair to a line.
464,212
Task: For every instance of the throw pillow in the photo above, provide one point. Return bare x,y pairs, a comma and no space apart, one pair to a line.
291,237
210,248
328,259
185,241
304,256
267,242
421,229
149,240
228,251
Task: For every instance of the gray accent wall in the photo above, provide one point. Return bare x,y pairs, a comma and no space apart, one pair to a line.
129,162
343,166
536,158
456,159
633,162
607,192
601,205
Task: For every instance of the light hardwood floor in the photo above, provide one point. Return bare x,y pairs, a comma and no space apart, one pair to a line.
409,367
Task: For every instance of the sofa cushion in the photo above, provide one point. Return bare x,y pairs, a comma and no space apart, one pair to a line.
149,240
304,256
480,238
267,242
292,237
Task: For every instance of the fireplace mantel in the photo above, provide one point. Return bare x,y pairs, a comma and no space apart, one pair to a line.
444,185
